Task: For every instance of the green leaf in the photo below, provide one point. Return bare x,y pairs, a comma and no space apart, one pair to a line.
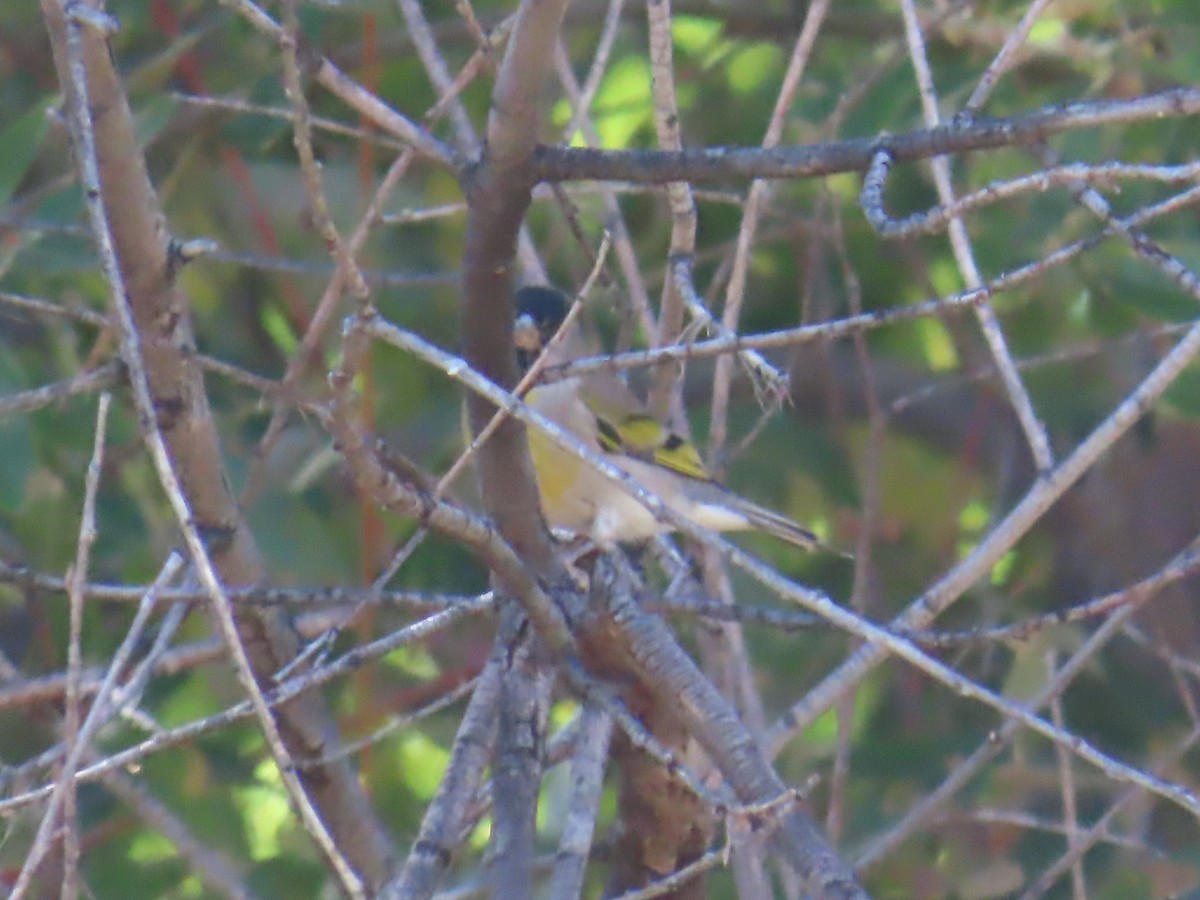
623,102
754,67
1184,394
21,141
16,449
153,116
1139,286
695,34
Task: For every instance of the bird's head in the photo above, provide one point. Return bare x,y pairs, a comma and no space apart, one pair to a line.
541,311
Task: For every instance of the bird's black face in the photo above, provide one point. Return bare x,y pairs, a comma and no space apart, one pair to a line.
541,311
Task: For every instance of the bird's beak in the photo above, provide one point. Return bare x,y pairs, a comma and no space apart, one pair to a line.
526,335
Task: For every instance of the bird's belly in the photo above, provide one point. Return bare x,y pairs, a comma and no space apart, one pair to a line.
620,518
577,498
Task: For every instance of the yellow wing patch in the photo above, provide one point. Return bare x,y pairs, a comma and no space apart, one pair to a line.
644,437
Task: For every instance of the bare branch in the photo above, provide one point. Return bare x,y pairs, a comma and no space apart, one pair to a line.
442,825
587,782
708,165
158,350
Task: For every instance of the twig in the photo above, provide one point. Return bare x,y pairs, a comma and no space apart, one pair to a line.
1066,790
350,92
1005,58
706,863
76,578
1002,736
96,715
286,691
314,597
102,379
964,255
395,723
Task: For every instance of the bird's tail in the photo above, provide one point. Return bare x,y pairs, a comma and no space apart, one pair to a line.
715,506
781,527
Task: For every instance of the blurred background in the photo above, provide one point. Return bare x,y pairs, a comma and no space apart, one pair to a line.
945,460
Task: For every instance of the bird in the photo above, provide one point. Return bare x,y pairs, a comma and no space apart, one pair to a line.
607,416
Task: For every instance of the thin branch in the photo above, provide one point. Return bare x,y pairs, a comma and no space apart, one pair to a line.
350,92
314,597
1183,566
1001,737
246,108
707,165
964,256
76,578
132,353
396,723
1005,59
104,378
670,883
70,773
935,219
287,691
1067,790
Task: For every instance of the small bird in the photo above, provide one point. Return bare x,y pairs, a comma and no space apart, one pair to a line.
606,415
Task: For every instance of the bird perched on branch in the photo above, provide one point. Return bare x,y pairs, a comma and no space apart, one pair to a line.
607,416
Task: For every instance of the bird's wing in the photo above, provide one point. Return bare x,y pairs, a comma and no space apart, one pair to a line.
624,427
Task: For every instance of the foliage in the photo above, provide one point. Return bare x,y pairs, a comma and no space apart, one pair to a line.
912,492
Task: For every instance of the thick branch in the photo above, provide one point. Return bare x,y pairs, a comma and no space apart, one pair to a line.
159,308
644,647
498,194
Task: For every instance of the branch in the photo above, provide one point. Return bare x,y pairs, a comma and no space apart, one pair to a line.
707,165
868,321
351,92
498,194
448,811
158,349
286,693
522,708
882,642
669,676
587,785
